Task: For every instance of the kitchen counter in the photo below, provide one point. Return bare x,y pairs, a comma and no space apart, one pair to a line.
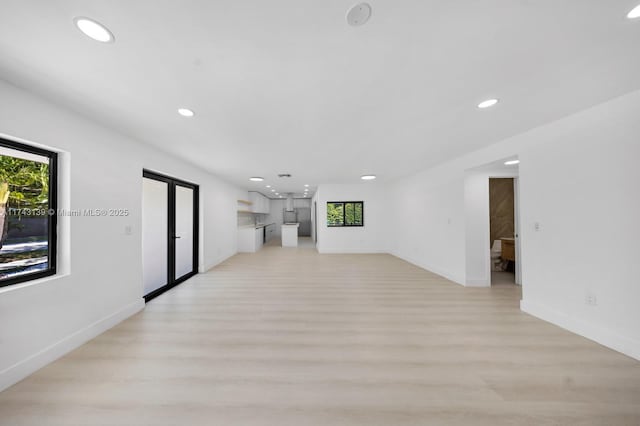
258,226
262,225
290,234
252,237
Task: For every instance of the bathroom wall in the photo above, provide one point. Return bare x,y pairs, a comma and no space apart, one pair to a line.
501,208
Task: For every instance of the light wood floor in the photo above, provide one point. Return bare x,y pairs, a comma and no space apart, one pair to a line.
290,337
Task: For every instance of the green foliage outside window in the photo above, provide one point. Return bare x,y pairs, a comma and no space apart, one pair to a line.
345,213
23,183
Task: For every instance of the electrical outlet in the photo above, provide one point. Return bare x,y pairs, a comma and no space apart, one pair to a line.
591,299
536,226
128,230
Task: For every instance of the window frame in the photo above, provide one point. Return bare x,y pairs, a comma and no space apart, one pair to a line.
52,243
344,214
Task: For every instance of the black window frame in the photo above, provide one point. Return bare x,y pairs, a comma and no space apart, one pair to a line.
344,214
52,243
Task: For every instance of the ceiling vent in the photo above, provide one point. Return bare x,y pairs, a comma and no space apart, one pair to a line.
284,175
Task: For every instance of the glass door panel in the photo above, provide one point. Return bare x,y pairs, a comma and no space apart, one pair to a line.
169,232
184,263
155,240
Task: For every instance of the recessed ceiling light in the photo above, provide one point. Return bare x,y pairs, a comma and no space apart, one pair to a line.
368,177
256,179
488,103
511,162
635,13
273,190
306,186
359,14
277,193
186,112
267,186
94,30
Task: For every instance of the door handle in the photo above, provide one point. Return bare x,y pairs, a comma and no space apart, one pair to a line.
175,237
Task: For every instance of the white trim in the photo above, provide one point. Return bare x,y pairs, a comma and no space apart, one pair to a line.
605,337
516,228
38,281
216,262
33,363
481,282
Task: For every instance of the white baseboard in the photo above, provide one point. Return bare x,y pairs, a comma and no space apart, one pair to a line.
605,337
431,268
477,283
33,363
216,262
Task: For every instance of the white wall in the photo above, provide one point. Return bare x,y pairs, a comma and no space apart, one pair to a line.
370,238
428,225
314,218
100,282
579,179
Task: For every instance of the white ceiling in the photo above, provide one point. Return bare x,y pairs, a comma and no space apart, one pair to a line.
286,86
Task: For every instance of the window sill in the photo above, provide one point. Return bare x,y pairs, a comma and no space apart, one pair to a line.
37,281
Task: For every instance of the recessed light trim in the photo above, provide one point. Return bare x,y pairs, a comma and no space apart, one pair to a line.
359,14
634,13
273,190
186,112
511,162
306,186
94,29
267,186
488,103
368,177
256,179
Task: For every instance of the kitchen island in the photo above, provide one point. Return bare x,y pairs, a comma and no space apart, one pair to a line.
251,238
290,234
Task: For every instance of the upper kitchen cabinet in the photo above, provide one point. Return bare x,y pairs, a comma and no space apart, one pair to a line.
260,203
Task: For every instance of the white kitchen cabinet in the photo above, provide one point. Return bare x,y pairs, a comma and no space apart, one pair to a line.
259,238
271,231
250,239
260,203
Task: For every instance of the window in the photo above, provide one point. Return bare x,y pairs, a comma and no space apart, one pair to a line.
27,212
345,213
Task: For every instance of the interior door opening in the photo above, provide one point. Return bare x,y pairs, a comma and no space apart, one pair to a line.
170,227
492,221
502,230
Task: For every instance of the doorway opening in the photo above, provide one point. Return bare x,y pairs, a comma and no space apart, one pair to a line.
170,224
502,230
490,227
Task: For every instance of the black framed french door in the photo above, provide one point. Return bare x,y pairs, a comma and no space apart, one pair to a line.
170,225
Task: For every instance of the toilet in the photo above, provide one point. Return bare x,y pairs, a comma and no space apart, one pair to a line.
496,256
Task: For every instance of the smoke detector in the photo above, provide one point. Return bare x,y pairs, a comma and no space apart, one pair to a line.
359,14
